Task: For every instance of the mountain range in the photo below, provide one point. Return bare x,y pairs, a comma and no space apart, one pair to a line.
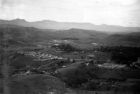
48,24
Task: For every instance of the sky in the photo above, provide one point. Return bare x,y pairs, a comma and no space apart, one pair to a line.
110,12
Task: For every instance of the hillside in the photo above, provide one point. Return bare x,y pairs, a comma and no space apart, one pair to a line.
128,39
18,35
28,35
23,35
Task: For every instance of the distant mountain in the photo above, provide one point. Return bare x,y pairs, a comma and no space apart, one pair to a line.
48,24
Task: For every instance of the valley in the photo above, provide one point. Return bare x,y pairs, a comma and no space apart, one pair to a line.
72,61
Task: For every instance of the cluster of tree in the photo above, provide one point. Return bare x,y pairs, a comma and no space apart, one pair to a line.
67,47
121,54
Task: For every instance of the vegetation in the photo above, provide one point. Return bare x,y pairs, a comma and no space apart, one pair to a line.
33,65
122,55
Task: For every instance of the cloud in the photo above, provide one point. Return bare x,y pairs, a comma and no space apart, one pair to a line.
114,12
9,2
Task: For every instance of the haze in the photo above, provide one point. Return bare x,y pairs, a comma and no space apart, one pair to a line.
110,12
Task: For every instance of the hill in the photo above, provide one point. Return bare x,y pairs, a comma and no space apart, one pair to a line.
128,39
19,35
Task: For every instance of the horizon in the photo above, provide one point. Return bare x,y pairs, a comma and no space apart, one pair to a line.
70,22
109,12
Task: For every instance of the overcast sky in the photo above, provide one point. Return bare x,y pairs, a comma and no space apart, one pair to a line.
111,12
